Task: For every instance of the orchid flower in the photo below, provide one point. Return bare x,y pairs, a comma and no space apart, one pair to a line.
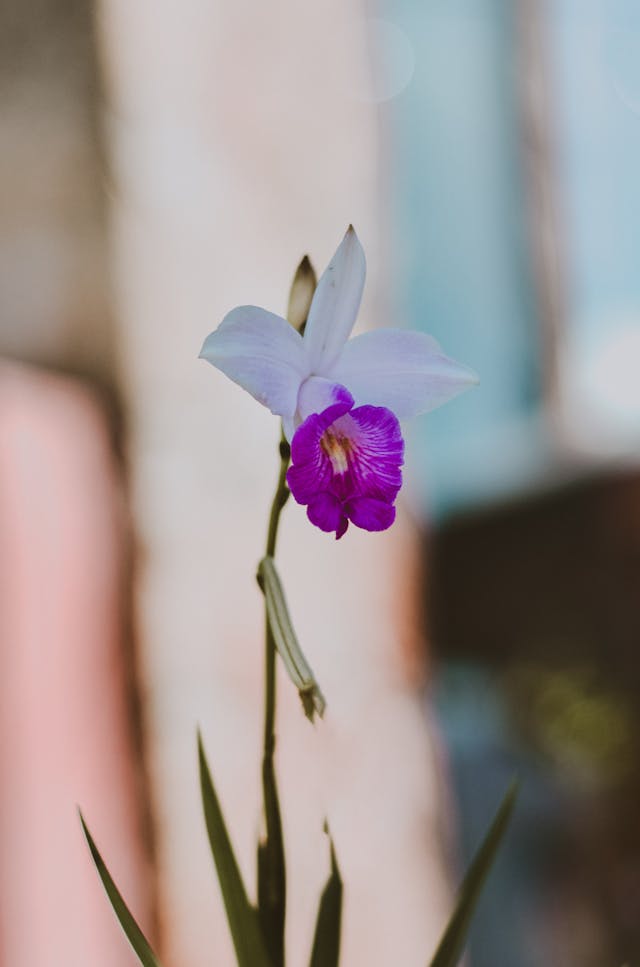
340,399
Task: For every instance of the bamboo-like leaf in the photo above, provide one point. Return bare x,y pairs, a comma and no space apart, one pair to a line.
241,915
286,641
452,944
326,940
301,293
132,931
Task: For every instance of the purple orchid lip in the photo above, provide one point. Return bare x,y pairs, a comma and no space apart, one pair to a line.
346,467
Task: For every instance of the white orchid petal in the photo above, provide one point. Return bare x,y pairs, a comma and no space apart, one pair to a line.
288,427
405,371
262,353
335,304
318,394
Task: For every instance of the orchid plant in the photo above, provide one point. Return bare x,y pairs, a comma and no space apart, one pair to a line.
340,400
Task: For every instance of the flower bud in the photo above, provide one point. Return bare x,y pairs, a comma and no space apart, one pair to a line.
301,293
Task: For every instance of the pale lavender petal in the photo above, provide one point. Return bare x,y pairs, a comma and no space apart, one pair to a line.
288,427
317,394
262,353
335,304
325,511
370,514
402,370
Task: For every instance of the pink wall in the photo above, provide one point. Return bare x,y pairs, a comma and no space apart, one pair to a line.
64,734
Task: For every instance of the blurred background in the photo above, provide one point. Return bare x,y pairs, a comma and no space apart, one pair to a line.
162,163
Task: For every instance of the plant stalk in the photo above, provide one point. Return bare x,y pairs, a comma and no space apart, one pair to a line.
271,866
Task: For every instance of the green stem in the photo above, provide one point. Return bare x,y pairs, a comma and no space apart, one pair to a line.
271,867
279,500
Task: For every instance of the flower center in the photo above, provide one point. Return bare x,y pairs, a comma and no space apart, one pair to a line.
337,447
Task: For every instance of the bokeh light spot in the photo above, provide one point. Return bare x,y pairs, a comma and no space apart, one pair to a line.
392,61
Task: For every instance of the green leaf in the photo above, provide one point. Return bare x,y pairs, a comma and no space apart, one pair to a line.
452,944
326,941
133,932
272,887
302,289
241,915
286,641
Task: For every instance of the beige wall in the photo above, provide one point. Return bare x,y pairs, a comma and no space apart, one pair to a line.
237,146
